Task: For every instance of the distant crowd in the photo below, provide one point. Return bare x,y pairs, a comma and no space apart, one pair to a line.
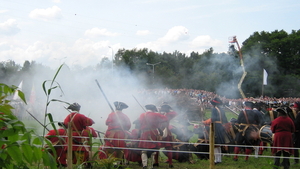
205,97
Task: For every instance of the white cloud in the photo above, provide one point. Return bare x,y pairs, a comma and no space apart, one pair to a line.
205,41
95,32
176,33
9,27
56,1
48,14
142,32
150,45
173,36
3,11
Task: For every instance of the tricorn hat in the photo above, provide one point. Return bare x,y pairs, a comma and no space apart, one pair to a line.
216,101
248,104
282,111
120,105
151,107
165,108
61,124
74,107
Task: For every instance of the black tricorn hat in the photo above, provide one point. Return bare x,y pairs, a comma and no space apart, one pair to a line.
281,111
151,107
120,105
248,104
165,108
61,124
74,107
216,101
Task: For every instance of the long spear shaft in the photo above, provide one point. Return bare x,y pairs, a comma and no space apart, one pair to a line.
232,110
138,103
109,104
37,120
104,95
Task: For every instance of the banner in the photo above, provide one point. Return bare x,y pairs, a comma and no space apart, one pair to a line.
16,96
265,77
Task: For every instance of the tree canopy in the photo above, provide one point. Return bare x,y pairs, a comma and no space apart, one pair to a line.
277,52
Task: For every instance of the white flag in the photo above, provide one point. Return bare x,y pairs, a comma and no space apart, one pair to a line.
265,77
16,96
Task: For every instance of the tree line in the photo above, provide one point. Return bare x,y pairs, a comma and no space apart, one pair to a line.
277,52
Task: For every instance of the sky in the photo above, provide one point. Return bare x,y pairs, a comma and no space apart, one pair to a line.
81,33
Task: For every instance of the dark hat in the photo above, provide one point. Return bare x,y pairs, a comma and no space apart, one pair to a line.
296,105
281,111
120,105
248,104
74,107
165,108
216,101
61,124
151,107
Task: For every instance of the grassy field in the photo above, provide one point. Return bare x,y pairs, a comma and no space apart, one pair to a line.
227,163
227,160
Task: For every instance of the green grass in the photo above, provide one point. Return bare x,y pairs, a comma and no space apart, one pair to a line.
227,160
227,163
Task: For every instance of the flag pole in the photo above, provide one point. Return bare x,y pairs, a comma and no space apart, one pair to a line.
262,90
265,76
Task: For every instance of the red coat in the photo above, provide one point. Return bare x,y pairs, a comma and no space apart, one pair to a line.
60,150
80,121
87,133
169,138
150,122
283,128
52,135
133,155
118,126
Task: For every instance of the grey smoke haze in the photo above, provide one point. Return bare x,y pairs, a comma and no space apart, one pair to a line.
223,64
81,87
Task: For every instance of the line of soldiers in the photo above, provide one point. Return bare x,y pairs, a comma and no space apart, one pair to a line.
253,124
283,122
152,131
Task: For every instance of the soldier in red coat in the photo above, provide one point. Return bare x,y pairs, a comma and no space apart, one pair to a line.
57,138
150,122
78,123
167,111
131,154
118,125
87,134
296,109
283,127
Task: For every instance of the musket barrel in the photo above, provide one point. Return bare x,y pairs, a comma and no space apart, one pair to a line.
104,95
37,120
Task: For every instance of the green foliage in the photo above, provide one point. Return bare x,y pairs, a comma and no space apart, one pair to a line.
19,148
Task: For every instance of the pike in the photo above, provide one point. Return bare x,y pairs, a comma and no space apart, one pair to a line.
109,104
231,110
138,103
104,95
37,120
99,134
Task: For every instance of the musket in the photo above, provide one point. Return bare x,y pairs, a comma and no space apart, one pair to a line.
99,132
37,120
139,103
109,104
104,95
231,110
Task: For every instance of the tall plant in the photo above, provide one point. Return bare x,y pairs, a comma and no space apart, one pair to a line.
19,148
